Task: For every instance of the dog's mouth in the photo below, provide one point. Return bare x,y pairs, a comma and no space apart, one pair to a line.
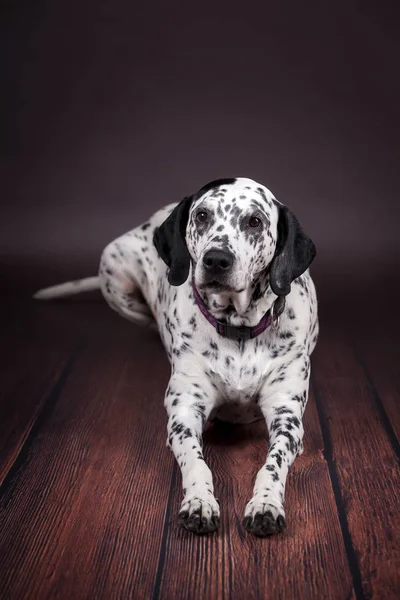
225,285
214,286
217,287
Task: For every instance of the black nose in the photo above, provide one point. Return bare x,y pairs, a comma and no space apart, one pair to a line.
218,261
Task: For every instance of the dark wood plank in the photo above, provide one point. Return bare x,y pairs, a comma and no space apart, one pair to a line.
307,561
83,516
379,357
365,465
36,344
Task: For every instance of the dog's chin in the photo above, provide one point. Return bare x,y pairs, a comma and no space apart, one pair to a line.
223,295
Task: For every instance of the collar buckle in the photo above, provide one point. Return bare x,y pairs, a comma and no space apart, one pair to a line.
232,332
274,318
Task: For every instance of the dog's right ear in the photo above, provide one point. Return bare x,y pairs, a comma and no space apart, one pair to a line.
294,253
170,242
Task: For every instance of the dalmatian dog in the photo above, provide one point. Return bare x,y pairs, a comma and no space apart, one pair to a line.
224,276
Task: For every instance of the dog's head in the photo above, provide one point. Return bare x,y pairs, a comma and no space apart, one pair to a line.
232,230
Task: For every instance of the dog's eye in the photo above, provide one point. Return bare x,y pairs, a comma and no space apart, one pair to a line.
201,216
254,222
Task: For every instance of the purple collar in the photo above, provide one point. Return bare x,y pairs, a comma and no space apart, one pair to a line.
240,333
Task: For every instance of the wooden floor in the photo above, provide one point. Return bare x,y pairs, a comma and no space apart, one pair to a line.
90,494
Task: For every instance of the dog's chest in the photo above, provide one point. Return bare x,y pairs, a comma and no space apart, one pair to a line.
239,374
239,378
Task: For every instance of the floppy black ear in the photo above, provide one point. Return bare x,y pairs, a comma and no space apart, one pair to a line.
170,242
294,252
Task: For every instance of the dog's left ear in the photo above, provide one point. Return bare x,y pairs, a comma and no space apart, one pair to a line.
294,252
170,242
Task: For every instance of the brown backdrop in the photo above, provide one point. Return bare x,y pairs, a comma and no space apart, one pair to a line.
116,109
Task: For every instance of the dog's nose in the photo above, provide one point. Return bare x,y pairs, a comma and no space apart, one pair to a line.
218,261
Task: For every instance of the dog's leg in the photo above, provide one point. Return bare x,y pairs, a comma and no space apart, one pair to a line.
189,401
282,403
122,279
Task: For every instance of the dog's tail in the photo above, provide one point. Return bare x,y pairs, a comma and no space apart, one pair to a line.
68,289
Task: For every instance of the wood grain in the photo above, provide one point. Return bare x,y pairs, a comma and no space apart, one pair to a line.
84,515
90,495
379,357
364,462
307,561
36,348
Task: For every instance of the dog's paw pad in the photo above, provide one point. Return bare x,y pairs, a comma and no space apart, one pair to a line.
199,516
264,519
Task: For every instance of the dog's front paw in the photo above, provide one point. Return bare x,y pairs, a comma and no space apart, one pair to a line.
199,515
264,518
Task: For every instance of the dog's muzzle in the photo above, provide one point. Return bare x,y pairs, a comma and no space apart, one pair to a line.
217,265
